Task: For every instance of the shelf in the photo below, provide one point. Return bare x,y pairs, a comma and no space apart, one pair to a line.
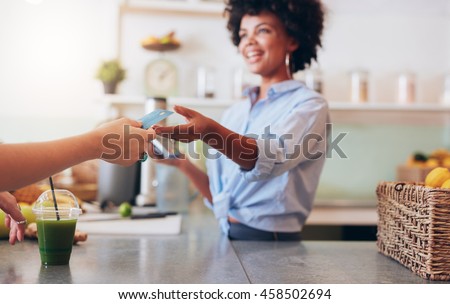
200,102
388,113
117,99
193,7
341,112
133,100
334,106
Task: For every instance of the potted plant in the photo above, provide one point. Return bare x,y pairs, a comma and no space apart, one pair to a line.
111,73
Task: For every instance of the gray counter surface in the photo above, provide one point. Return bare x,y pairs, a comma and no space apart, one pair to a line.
201,254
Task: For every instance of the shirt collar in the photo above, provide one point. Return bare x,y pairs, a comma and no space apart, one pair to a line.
277,88
252,93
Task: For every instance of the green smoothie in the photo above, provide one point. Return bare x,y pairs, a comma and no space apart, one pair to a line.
55,240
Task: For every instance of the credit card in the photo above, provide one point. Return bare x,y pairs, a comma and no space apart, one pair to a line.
154,117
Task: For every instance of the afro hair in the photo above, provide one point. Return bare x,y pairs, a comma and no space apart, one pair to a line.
302,19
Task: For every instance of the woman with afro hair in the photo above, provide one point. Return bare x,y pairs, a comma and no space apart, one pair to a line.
268,152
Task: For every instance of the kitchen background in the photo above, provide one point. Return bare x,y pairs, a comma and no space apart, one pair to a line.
50,51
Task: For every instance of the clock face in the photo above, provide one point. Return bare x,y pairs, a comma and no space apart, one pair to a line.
161,78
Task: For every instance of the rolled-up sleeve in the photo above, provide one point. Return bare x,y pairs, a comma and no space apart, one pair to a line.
269,153
301,137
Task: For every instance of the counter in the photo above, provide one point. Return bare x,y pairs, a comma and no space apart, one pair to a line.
200,254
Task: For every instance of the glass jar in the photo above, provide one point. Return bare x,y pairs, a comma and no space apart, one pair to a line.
446,94
313,80
359,86
242,80
206,86
238,83
406,88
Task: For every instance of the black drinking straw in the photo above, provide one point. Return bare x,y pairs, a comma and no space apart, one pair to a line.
54,198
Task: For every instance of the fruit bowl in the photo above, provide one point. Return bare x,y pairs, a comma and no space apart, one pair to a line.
161,47
165,43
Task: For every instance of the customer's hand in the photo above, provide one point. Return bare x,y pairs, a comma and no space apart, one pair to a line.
14,219
123,141
197,126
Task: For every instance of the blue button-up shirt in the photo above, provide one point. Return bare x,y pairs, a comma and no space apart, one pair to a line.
277,194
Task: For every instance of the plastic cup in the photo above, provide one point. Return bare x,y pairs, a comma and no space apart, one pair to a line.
56,228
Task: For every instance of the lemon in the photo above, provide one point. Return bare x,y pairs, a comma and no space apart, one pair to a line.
437,177
432,162
4,232
27,212
125,209
446,162
446,184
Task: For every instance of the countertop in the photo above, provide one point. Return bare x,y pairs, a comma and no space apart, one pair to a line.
201,254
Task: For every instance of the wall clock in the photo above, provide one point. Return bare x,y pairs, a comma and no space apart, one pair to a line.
161,78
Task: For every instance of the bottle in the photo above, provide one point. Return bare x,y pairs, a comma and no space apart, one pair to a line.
359,86
406,88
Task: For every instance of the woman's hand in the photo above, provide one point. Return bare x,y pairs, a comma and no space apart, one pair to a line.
123,141
243,150
197,126
14,219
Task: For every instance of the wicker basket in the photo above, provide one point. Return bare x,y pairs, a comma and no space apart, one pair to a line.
414,227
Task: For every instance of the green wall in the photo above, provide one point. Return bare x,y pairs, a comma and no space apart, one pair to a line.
373,153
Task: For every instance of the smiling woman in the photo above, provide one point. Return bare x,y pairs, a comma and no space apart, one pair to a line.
265,45
256,187
302,21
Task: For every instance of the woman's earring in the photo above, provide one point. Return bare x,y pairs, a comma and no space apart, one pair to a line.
288,65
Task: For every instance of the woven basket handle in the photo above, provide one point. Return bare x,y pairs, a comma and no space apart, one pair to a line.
399,186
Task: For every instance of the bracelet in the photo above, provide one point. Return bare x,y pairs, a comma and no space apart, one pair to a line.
21,222
144,157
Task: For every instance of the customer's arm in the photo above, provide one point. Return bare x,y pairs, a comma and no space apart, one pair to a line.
121,142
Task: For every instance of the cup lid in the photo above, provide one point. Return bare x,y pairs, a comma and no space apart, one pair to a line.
66,202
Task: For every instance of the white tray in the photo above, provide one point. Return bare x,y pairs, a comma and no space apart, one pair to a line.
113,224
